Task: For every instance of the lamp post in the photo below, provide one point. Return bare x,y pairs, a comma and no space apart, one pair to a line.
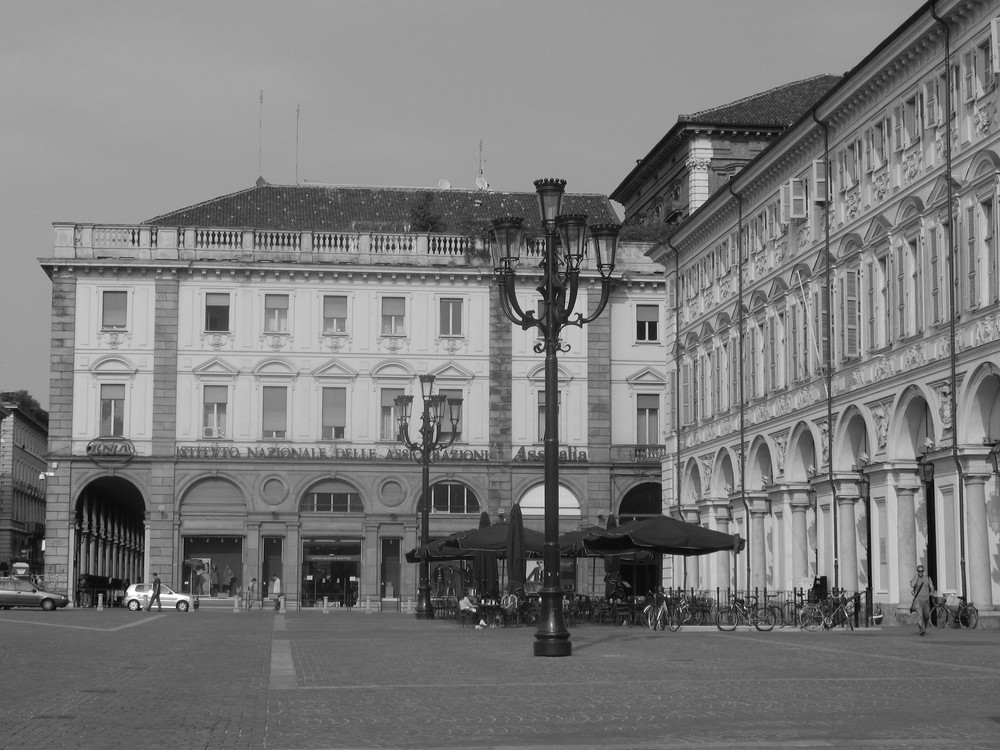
565,247
430,441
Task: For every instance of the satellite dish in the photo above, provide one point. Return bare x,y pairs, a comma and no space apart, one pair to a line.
481,183
444,184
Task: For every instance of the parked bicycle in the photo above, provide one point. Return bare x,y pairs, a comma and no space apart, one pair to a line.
964,615
838,609
739,611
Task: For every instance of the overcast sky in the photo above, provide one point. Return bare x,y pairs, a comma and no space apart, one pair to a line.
115,112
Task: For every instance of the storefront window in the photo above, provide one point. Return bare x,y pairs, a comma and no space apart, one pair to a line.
330,568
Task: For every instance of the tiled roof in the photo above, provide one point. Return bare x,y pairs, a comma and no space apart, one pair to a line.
387,209
777,107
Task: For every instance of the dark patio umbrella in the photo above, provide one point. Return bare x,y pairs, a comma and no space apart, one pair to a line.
486,566
667,536
463,545
516,550
612,564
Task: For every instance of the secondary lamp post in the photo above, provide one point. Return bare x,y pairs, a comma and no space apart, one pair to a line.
430,441
566,239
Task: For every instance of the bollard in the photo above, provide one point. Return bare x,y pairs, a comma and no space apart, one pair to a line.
281,604
326,606
236,605
100,602
145,601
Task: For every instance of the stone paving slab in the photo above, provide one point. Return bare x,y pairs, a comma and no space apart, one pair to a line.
305,680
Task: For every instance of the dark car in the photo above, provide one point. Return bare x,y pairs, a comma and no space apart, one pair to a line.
20,592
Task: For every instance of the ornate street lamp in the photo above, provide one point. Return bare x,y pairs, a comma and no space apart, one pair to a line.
566,239
430,441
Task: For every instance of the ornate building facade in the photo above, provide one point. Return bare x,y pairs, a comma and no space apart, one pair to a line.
223,398
23,473
837,324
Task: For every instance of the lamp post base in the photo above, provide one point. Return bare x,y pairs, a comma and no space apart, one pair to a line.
552,636
553,647
425,609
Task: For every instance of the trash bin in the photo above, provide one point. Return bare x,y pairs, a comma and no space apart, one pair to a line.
819,590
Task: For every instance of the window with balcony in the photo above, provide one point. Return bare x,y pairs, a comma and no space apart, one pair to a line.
112,410
275,313
216,313
647,419
647,323
216,407
114,311
334,314
451,317
334,414
393,316
275,412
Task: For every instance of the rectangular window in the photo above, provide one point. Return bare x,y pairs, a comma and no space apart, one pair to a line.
113,410
647,419
541,413
389,427
114,312
451,316
216,313
445,431
275,412
216,405
334,314
275,313
334,416
393,316
849,302
935,277
647,321
973,260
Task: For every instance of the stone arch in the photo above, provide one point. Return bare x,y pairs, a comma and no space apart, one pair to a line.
760,469
802,460
641,501
854,438
850,244
909,209
913,429
723,474
215,496
980,406
109,534
984,164
692,483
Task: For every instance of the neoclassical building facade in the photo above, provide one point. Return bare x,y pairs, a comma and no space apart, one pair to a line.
224,384
837,331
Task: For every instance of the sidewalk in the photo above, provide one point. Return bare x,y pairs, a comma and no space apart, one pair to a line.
221,679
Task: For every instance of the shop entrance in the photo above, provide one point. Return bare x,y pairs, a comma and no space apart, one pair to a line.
212,565
642,501
330,568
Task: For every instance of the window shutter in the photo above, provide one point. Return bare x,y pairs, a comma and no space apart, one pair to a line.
820,190
785,198
686,392
897,128
851,313
995,40
935,277
800,203
973,261
793,340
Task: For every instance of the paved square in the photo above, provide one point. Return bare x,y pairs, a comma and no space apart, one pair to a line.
304,680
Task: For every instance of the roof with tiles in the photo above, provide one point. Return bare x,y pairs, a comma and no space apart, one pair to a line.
363,209
777,107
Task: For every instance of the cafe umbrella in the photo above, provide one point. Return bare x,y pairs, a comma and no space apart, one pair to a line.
485,566
667,536
516,550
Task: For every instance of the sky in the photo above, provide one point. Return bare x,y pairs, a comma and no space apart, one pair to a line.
116,112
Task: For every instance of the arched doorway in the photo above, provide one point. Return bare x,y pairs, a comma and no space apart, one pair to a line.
642,501
213,513
109,532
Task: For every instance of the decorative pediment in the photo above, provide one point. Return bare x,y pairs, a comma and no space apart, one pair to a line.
216,368
454,372
939,194
647,377
984,166
275,369
538,374
113,365
392,370
334,370
778,289
877,230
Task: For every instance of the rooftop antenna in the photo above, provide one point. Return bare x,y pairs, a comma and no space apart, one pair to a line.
296,143
481,182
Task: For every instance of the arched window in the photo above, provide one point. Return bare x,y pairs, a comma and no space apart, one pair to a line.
451,497
332,496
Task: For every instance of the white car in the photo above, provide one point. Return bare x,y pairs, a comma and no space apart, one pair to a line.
138,594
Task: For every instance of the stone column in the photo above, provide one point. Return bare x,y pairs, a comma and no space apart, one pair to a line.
800,540
759,510
724,562
906,541
692,571
848,554
978,544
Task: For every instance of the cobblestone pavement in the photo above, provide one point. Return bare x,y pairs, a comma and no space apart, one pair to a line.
305,681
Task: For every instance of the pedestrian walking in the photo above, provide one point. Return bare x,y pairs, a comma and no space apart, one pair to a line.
922,588
155,594
275,591
251,593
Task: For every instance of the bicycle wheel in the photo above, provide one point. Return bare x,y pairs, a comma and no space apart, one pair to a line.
848,618
727,619
811,617
968,617
671,619
939,616
789,614
762,618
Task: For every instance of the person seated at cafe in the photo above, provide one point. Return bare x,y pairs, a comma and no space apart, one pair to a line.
467,604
